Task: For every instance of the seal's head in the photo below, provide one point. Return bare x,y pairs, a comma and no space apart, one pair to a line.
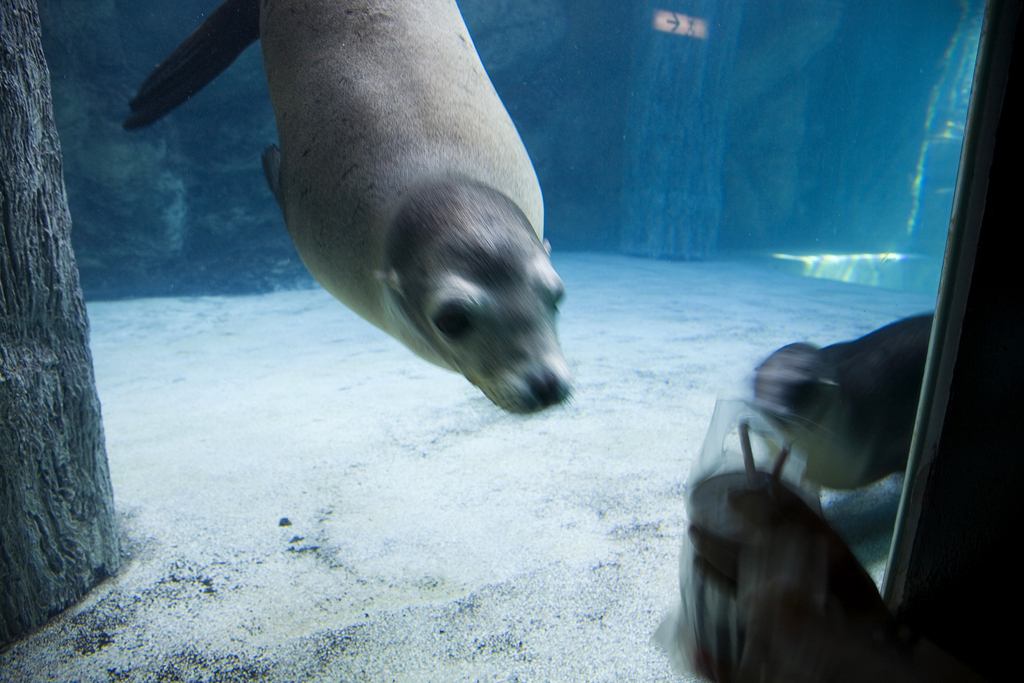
795,386
467,270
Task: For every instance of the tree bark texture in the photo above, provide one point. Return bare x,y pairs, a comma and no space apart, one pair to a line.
57,535
675,133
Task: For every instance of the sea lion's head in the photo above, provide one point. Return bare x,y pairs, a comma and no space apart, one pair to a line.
795,388
465,267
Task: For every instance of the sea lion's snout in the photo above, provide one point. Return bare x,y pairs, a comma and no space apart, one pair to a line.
502,337
467,270
527,392
547,383
548,388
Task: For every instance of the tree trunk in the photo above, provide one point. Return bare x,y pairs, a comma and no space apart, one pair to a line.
57,536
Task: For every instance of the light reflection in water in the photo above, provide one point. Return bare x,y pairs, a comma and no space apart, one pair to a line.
864,269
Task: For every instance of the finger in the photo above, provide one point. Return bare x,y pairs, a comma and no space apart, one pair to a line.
783,513
714,578
788,561
855,590
795,508
719,554
848,581
758,507
768,509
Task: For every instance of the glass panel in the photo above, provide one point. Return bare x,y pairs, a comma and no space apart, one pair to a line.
304,498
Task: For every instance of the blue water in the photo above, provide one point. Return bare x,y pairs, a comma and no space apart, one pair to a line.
753,173
799,128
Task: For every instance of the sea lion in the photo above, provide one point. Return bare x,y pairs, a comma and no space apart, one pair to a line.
403,181
848,408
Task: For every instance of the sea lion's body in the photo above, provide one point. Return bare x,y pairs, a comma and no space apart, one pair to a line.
848,408
383,95
383,105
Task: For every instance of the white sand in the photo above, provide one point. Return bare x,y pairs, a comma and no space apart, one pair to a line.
433,537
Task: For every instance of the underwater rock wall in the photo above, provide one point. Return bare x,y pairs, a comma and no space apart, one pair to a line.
676,129
832,102
823,125
571,113
181,207
57,531
768,99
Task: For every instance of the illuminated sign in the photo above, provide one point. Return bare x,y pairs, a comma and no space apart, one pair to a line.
680,24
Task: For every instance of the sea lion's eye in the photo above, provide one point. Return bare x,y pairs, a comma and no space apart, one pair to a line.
453,321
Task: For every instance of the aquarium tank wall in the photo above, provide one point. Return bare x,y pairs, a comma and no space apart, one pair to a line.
820,135
734,190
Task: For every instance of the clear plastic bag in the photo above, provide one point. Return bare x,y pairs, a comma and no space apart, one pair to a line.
704,634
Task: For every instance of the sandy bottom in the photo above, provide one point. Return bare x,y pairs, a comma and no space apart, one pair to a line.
301,498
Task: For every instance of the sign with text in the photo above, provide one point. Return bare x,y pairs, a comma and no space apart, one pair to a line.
680,24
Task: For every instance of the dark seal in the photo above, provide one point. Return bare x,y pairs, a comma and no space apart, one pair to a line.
848,408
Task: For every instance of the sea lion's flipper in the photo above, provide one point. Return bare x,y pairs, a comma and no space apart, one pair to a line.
272,171
234,26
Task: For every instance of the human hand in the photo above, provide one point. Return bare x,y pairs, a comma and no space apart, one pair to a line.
810,610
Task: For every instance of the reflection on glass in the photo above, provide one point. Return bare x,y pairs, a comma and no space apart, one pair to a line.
944,120
876,270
